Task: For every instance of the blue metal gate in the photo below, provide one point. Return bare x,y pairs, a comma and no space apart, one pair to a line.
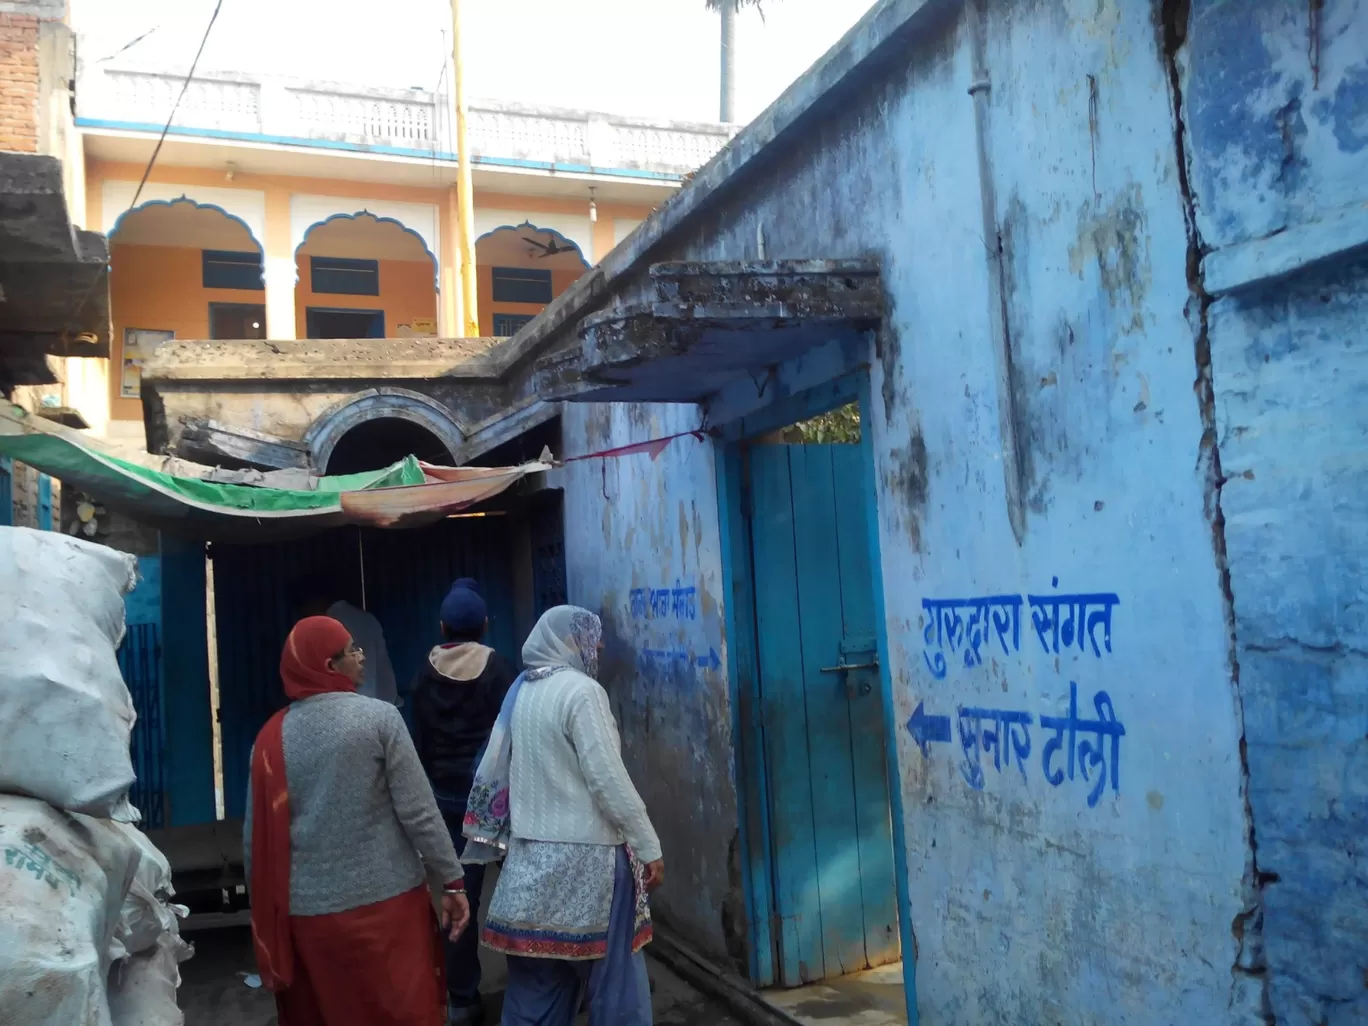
6,491
405,576
140,662
44,519
547,528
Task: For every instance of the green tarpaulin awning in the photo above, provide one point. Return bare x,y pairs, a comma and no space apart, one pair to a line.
166,492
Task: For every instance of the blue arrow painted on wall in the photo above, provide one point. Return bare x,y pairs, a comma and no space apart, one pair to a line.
709,661
926,729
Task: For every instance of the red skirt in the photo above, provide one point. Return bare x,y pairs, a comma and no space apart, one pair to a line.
378,965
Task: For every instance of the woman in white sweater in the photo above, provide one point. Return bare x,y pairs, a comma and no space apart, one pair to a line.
553,799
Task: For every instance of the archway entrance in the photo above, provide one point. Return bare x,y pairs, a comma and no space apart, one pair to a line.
379,443
520,270
362,276
179,269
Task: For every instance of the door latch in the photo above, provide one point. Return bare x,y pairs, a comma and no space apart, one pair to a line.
852,690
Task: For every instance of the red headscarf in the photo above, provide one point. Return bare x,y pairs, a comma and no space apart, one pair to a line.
304,671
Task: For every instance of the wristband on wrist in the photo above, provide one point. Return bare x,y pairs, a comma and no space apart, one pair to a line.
454,888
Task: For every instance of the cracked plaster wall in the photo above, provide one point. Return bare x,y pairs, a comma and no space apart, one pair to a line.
1028,905
635,524
1276,114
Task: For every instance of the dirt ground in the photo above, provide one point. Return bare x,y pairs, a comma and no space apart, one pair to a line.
214,990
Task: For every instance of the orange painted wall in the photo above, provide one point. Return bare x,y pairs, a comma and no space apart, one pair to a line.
484,279
159,288
407,290
97,171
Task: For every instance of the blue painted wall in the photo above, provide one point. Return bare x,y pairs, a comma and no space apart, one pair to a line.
642,549
1277,112
1123,886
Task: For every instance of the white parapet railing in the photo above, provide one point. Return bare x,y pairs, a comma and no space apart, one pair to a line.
388,120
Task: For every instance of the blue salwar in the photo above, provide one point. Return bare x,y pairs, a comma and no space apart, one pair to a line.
548,991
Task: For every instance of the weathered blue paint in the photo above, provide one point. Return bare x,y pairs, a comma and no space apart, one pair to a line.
44,522
868,494
825,802
636,523
187,711
795,862
1133,147
756,897
828,785
143,603
1280,185
1290,365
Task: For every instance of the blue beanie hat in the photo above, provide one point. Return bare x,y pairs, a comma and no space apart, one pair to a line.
463,610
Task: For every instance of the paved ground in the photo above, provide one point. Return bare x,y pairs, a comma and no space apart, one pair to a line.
214,991
873,998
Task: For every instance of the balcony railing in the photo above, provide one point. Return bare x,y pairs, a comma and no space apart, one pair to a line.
390,120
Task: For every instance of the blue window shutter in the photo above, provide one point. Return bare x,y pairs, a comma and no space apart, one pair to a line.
224,269
334,276
521,285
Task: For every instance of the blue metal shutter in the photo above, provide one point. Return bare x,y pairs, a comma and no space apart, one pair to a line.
407,574
44,503
140,661
6,491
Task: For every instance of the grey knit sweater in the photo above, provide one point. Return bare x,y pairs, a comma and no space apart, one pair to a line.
363,822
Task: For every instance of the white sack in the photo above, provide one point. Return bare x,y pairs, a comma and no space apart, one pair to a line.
142,988
63,880
147,910
65,712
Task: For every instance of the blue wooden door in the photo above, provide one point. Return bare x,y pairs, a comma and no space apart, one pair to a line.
829,816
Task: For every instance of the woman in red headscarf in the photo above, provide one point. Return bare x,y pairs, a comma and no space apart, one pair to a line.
344,843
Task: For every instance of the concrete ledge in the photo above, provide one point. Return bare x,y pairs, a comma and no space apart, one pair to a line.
182,360
1247,265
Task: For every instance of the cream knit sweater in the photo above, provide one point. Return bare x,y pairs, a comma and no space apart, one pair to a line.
567,781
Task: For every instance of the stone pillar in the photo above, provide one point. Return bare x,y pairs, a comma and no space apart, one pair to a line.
281,269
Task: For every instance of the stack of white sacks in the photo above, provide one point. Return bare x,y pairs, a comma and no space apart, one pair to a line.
88,936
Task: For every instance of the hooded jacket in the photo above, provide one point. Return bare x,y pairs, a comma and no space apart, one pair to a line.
456,699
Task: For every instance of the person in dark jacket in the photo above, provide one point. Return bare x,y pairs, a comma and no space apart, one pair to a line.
456,696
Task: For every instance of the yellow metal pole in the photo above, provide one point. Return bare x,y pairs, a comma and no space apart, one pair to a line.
464,189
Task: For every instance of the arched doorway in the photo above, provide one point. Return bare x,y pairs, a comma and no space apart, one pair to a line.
378,443
179,269
362,276
520,269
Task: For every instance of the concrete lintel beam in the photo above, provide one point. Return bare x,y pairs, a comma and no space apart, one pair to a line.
186,360
712,324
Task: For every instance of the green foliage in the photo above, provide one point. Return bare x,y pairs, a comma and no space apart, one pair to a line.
839,427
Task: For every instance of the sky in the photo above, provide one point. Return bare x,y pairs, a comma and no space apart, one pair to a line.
649,58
